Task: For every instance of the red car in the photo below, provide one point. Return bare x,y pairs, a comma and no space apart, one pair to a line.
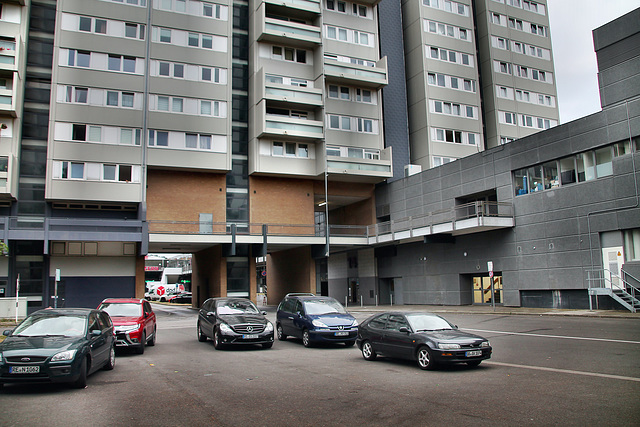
133,320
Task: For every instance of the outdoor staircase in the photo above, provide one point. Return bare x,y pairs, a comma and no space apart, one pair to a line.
624,289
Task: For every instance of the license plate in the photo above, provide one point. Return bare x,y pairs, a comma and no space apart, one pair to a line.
342,334
250,337
472,353
24,369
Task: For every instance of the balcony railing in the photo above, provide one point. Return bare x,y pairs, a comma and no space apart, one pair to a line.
400,229
348,73
307,5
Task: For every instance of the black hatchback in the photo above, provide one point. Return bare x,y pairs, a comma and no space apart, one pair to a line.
58,345
424,337
230,321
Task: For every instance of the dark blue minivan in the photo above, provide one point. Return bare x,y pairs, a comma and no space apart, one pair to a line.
315,319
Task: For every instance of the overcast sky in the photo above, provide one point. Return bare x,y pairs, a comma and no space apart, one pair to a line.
572,22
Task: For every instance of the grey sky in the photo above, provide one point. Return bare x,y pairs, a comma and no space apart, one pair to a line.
572,22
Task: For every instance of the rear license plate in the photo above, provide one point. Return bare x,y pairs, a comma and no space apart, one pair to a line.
342,334
24,369
250,337
473,353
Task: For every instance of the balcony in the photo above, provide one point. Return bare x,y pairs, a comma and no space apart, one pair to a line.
355,74
312,6
275,125
276,28
360,169
287,93
464,219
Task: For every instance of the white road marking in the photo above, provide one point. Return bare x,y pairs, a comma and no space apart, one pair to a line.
552,336
563,371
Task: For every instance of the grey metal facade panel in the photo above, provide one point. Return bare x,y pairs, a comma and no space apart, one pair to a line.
394,95
614,31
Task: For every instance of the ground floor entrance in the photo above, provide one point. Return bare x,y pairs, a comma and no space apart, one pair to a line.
487,290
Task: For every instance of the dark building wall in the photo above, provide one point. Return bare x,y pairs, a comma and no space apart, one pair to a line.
557,232
394,95
617,46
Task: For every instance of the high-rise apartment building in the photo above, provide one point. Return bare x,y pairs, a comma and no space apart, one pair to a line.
479,74
239,129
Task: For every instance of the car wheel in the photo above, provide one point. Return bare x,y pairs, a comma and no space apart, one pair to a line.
140,348
349,343
281,334
201,337
81,382
267,346
111,362
306,340
152,341
367,351
217,341
474,363
425,358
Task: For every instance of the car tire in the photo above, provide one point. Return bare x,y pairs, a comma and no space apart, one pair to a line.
217,342
152,341
424,357
306,339
474,363
368,352
281,335
111,362
267,346
140,348
81,382
201,337
349,343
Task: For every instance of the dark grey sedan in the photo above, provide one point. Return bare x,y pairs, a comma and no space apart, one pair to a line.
58,345
424,337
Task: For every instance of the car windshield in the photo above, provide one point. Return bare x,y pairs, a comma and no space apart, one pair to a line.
237,307
52,325
117,309
323,306
427,322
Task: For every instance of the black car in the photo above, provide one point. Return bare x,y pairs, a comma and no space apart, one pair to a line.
315,319
233,321
180,298
424,337
58,345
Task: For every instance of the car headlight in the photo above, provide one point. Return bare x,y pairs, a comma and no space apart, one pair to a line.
485,344
269,327
225,329
445,346
127,328
319,324
1,358
63,355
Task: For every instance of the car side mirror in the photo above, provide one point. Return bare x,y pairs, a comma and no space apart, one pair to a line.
96,332
146,314
299,314
264,313
404,329
455,326
210,313
7,332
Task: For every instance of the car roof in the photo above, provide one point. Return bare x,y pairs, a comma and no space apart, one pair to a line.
311,297
123,300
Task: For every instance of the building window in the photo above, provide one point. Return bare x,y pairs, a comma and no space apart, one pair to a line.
632,244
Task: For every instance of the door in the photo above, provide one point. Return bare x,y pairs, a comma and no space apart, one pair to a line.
354,289
484,292
99,344
612,259
396,343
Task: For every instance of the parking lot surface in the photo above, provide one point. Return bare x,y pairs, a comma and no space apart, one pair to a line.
545,370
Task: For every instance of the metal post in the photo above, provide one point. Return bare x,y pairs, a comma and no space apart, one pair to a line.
391,295
376,300
360,300
17,295
346,300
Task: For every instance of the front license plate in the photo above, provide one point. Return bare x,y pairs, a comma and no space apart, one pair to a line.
24,369
342,334
472,353
250,337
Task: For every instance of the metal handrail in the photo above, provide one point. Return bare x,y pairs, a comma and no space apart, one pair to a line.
604,276
479,209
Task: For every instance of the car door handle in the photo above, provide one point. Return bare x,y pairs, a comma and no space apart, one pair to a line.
291,317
